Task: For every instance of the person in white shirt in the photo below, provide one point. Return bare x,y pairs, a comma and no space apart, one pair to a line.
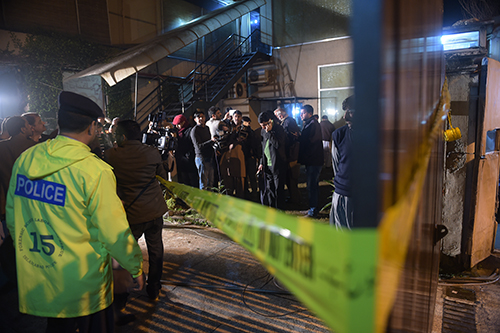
212,123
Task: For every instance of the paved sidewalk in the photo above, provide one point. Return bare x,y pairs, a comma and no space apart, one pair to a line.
209,284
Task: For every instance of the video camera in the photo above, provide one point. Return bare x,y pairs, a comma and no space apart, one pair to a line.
225,136
221,143
159,136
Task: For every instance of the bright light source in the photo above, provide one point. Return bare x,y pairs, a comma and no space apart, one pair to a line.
331,112
255,22
462,40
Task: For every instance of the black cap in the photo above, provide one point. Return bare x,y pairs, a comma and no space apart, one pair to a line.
71,102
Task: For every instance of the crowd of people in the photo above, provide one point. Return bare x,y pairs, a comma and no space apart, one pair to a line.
221,152
70,219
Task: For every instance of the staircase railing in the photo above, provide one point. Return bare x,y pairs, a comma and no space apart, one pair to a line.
165,93
195,86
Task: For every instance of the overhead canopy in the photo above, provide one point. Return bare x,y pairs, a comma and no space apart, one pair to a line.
145,54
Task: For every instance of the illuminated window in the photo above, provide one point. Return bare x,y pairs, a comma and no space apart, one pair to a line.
335,85
464,40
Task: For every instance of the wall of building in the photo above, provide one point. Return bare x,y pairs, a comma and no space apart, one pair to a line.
86,18
299,21
298,66
455,167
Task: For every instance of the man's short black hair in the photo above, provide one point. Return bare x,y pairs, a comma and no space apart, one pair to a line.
130,129
73,122
237,112
324,117
308,108
265,116
30,117
197,114
247,119
14,124
348,103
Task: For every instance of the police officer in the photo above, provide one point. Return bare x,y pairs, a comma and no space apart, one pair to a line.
67,220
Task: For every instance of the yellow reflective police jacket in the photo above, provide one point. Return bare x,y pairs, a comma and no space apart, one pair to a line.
66,222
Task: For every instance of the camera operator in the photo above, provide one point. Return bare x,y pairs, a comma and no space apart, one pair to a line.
184,154
163,135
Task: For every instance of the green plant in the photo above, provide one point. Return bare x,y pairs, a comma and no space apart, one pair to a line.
220,189
329,204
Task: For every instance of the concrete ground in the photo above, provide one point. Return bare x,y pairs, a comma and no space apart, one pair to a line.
470,302
212,284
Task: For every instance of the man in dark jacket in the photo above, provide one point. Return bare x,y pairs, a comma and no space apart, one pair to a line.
273,161
311,155
341,211
292,133
135,166
251,149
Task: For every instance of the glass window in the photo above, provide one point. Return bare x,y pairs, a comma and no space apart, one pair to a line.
335,85
462,40
491,141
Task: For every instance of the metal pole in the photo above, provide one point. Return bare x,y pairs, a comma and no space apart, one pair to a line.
366,28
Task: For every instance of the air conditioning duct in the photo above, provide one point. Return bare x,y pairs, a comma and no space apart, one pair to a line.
259,76
240,90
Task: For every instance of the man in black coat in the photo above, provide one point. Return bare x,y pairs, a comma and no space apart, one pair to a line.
311,155
292,135
273,161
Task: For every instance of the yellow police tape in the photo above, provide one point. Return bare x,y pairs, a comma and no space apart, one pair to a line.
331,271
338,274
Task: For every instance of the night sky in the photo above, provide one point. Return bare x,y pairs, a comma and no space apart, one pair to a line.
452,12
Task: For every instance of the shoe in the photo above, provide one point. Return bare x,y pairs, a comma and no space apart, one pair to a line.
124,319
153,293
310,213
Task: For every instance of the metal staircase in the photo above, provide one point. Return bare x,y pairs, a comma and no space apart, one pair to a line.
208,83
